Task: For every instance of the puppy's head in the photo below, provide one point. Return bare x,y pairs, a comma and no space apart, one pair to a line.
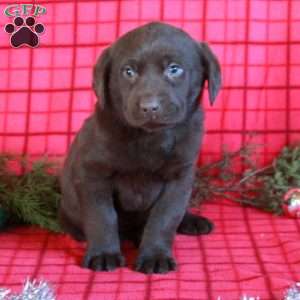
152,76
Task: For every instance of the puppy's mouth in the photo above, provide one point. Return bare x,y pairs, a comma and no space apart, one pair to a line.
155,126
152,123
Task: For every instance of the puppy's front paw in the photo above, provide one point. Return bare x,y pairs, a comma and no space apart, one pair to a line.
195,225
103,262
159,263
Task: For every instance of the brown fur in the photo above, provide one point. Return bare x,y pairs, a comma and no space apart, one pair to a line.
130,170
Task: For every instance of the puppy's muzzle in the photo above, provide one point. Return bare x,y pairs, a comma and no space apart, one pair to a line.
153,113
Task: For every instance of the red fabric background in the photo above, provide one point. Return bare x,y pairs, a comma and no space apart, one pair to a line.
250,253
45,94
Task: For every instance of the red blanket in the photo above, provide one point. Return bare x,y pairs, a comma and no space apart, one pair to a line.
45,94
250,253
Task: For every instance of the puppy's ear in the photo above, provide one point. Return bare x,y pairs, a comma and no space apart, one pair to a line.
212,71
101,77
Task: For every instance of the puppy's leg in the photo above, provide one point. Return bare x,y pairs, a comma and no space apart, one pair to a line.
195,225
69,226
155,251
100,228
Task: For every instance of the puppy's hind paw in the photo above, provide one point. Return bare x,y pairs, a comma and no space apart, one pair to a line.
195,225
103,262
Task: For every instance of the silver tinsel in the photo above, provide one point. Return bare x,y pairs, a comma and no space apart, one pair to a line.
32,290
40,290
293,293
244,297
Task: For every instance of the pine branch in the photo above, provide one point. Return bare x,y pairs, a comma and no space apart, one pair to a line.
33,198
262,188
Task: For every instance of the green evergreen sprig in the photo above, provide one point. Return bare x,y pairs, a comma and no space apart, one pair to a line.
33,197
263,188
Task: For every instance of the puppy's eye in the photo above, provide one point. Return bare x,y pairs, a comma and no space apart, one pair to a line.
173,71
129,72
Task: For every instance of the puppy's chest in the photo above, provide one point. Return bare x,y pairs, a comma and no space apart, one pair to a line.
148,154
137,192
138,183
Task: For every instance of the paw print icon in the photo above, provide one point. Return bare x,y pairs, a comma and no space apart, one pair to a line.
24,32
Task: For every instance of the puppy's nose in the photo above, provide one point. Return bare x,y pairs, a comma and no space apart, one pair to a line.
150,106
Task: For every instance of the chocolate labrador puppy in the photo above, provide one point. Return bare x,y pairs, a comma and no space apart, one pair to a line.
130,169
